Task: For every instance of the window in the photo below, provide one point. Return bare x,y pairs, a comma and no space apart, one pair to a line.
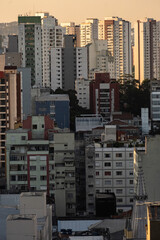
119,182
33,178
97,173
107,164
119,200
118,164
107,173
43,158
32,168
90,176
32,157
130,181
97,155
97,182
130,164
107,182
131,190
23,137
119,191
43,168
107,155
97,164
119,173
130,173
34,126
131,200
70,195
130,154
118,155
42,178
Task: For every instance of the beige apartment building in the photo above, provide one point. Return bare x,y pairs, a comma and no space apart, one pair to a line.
88,31
117,32
10,105
34,220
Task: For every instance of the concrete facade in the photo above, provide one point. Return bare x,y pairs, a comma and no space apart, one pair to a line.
88,31
100,59
34,220
29,156
65,181
109,170
11,105
82,89
104,95
68,64
10,59
57,106
52,36
148,161
29,40
117,32
146,49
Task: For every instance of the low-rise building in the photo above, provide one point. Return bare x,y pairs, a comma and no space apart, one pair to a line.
87,122
34,220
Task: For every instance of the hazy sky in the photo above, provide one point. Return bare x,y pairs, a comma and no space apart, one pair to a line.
78,10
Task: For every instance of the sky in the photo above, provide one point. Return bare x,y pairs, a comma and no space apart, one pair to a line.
79,10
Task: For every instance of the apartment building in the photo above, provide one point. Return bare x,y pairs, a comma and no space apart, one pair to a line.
34,220
72,29
146,49
55,105
52,36
100,59
104,95
117,32
65,179
29,40
68,64
88,31
11,105
30,156
155,100
109,169
82,92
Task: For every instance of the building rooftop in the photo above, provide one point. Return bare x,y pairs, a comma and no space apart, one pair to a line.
21,217
53,97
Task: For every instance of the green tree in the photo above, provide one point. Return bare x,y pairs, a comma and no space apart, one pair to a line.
133,96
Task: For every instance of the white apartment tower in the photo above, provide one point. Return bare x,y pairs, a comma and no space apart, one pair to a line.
117,32
29,45
147,49
68,64
88,31
52,36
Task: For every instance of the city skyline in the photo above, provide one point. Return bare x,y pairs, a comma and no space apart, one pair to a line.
72,11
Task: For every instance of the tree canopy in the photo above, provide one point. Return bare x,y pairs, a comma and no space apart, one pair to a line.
133,96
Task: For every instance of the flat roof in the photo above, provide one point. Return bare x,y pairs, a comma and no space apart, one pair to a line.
53,97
